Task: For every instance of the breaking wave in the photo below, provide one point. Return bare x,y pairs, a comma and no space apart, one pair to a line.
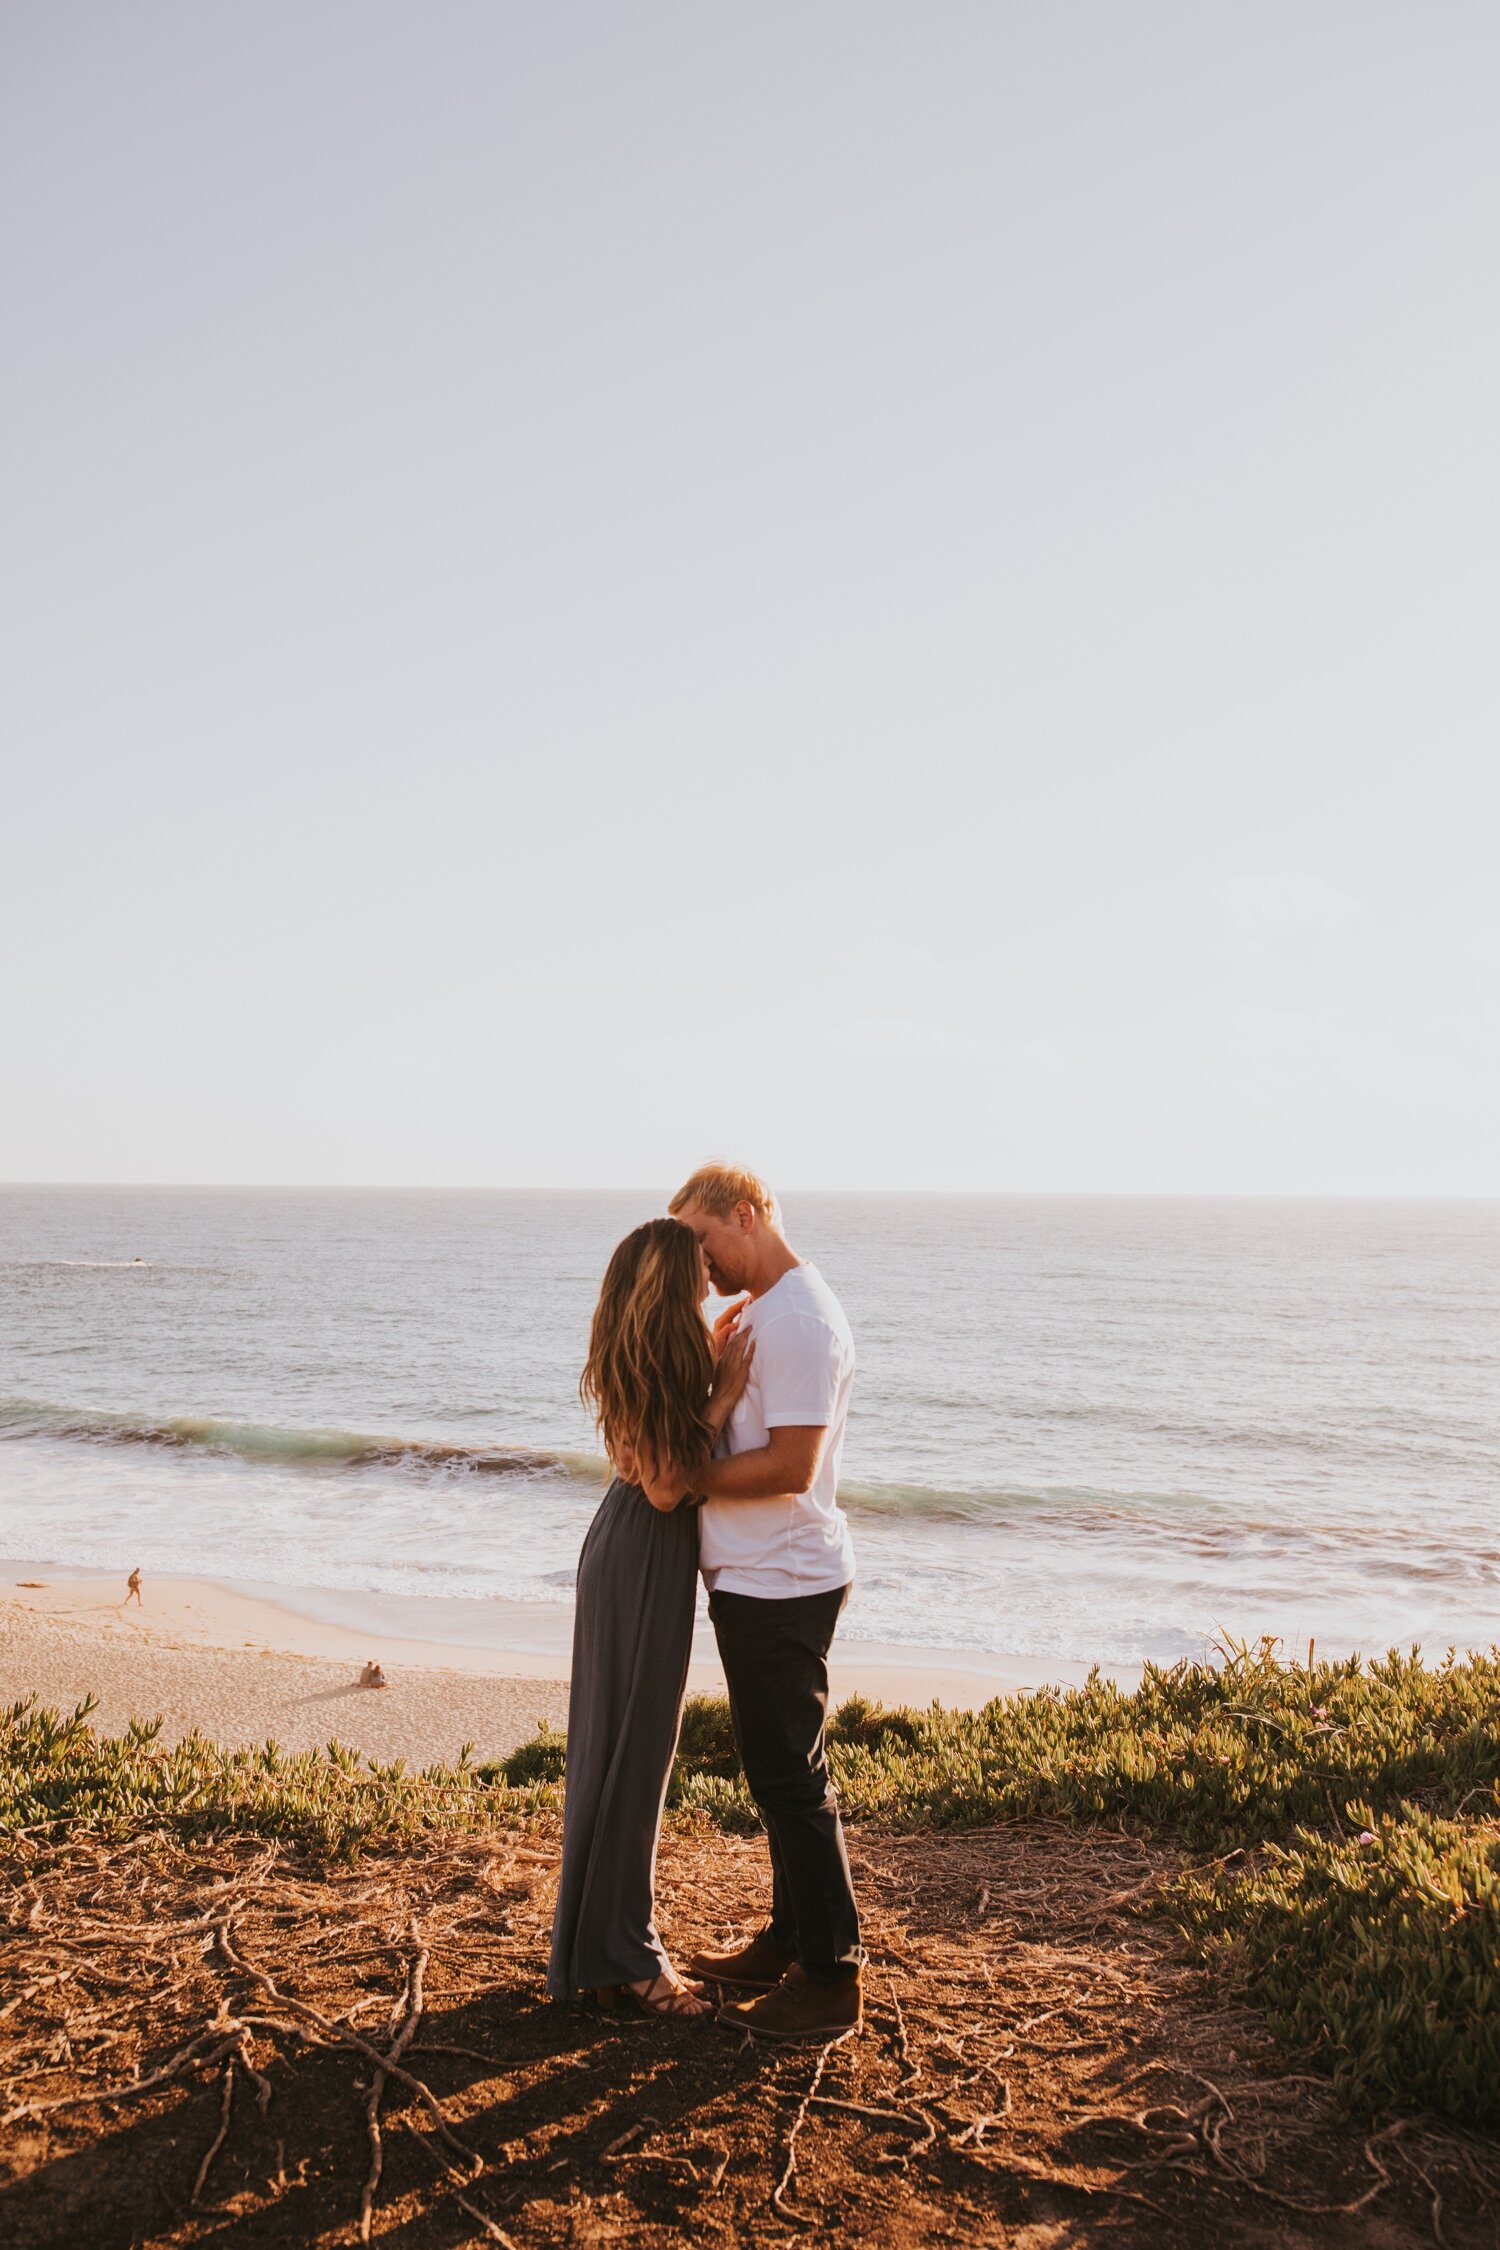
444,1460
260,1441
1197,1522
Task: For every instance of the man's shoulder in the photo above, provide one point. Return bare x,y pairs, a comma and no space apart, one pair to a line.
818,1300
804,1301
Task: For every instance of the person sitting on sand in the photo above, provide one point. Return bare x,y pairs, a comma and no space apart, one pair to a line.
372,1676
660,1393
133,1588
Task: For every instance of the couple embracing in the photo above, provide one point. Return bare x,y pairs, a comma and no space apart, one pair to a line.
725,1446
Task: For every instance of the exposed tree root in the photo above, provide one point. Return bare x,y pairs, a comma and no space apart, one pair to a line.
789,2164
219,2138
387,2066
409,2011
1028,2070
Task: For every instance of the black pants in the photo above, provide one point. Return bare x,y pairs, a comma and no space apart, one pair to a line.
775,1656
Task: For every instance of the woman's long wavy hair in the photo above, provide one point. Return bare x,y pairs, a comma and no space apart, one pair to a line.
649,1367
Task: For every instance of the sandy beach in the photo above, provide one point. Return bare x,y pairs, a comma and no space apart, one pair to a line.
175,1659
241,1667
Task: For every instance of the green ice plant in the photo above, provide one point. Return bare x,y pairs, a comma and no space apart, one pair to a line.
1376,1953
1213,1756
60,1779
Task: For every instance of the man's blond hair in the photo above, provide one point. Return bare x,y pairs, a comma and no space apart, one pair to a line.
717,1188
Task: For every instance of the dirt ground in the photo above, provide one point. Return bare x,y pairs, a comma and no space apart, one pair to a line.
190,2051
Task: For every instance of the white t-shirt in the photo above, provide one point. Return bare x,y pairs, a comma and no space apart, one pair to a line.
801,1379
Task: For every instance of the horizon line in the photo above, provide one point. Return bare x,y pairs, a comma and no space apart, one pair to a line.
1039,1194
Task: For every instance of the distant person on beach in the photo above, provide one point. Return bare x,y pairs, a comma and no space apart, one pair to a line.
133,1588
777,1560
662,1389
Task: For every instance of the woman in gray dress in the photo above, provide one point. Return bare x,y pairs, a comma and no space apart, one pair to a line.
659,1393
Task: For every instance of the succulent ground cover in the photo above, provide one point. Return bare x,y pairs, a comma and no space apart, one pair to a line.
1216,1756
60,1781
1217,1958
1376,1952
1238,1754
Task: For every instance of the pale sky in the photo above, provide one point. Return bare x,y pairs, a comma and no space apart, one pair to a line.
905,591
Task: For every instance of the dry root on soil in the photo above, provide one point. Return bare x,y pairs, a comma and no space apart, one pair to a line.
188,2040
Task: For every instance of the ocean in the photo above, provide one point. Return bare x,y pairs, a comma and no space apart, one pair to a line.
1085,1429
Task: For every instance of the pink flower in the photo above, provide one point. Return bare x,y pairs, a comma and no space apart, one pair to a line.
1367,1835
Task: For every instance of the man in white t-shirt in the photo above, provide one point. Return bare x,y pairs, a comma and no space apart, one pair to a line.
777,1560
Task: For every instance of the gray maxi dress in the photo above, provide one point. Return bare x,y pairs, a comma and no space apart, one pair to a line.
632,1636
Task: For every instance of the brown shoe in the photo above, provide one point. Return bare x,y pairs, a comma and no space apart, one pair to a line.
759,1965
799,2009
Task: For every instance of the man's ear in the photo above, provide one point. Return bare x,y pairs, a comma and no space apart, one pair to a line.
745,1214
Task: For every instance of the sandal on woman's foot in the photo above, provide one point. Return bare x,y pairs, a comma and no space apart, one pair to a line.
665,1995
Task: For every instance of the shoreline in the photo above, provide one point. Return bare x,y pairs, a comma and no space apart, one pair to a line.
244,1664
